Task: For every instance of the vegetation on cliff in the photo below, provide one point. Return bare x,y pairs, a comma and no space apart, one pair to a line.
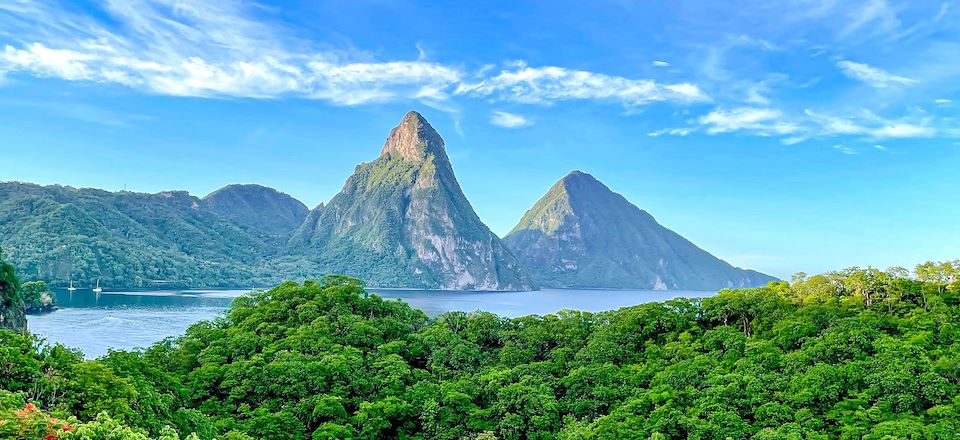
12,310
37,297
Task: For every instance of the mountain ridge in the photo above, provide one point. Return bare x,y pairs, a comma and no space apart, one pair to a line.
400,220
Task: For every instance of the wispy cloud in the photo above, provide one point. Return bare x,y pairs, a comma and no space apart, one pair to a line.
870,125
795,128
229,49
878,14
682,131
509,120
237,49
873,76
762,121
206,49
80,111
846,150
545,85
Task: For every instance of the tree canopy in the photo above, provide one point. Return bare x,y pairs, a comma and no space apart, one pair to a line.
855,354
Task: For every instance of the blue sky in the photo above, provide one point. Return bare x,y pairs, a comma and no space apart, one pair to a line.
783,136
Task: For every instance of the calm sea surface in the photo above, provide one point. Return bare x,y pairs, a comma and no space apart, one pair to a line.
129,319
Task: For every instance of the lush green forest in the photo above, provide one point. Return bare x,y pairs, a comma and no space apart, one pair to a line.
856,354
126,239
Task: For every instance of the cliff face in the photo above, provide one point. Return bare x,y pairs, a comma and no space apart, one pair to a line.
582,234
402,220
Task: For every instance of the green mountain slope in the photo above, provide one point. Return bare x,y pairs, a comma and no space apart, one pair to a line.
402,220
582,234
257,207
57,233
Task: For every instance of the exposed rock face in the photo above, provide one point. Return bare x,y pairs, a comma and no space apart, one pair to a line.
402,220
258,207
582,234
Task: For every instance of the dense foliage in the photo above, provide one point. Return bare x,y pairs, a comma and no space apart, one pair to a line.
37,297
857,354
125,239
11,303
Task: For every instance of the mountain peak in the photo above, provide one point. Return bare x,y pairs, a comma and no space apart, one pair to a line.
257,206
413,139
582,234
577,179
402,220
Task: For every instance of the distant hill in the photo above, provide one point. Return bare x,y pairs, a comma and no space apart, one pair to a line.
582,234
258,207
402,220
58,233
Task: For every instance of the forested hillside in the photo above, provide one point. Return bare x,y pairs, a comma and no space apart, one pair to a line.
126,239
856,354
257,207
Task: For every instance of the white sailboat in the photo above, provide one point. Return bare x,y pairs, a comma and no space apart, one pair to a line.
97,289
71,288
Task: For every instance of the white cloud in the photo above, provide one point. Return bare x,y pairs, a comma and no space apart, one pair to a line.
881,17
232,49
902,130
872,76
845,150
761,121
206,49
508,120
870,125
545,85
671,131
